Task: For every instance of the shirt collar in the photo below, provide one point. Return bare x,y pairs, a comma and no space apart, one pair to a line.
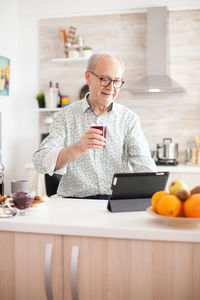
86,105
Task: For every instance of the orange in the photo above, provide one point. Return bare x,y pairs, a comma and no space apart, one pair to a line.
191,206
156,197
169,205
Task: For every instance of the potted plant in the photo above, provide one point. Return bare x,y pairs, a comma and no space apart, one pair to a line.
87,51
41,100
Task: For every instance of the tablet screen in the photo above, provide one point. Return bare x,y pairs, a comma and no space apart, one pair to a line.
138,185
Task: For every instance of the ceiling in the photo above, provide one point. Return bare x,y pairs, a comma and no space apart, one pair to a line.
61,8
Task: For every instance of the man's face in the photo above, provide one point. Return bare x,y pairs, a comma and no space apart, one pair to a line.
108,68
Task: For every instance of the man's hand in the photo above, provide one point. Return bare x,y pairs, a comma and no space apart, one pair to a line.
91,139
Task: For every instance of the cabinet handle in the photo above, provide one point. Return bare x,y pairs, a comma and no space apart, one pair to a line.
47,271
74,272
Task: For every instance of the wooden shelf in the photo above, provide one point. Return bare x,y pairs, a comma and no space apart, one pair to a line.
65,60
48,109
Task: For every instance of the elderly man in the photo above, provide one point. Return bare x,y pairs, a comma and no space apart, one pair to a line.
80,153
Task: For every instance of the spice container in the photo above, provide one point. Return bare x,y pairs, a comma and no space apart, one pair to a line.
188,156
64,100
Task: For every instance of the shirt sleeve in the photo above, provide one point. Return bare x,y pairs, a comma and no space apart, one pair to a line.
138,149
45,158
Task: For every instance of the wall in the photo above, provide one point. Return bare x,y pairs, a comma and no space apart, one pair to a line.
9,48
19,136
162,115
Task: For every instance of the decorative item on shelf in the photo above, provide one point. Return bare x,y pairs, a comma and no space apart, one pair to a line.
73,51
51,96
70,39
63,40
64,100
87,51
79,41
41,100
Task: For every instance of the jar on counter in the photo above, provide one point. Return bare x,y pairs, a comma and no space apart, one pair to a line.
188,155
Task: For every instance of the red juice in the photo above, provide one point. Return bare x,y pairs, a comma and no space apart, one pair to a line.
103,128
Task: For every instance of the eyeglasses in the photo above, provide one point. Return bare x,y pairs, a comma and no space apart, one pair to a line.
106,81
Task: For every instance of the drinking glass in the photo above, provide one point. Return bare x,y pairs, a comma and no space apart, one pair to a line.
21,202
101,127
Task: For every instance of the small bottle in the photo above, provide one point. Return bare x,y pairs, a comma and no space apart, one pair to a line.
50,84
51,97
58,102
1,179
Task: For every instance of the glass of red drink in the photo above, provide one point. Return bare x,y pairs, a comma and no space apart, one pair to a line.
103,129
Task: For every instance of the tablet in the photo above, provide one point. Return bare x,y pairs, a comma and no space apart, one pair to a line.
133,191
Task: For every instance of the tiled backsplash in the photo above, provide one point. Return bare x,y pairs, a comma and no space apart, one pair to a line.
162,115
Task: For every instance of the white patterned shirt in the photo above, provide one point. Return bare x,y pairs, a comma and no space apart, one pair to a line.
92,173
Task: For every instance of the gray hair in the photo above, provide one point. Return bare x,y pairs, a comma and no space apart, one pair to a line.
94,58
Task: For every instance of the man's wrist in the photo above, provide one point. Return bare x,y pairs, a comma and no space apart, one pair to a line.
78,150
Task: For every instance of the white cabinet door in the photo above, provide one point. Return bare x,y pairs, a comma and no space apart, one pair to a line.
85,274
110,269
31,252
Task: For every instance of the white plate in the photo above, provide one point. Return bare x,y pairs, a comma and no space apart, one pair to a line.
175,221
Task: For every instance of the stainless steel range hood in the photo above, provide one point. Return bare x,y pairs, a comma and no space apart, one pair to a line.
157,79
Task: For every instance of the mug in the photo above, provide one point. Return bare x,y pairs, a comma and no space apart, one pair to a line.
20,186
21,202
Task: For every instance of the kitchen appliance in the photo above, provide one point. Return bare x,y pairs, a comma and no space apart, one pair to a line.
157,79
167,152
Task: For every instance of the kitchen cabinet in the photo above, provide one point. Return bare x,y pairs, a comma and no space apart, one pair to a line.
91,267
7,265
121,269
103,268
97,255
25,266
153,270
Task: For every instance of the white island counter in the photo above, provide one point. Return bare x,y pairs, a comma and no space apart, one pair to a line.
74,249
91,218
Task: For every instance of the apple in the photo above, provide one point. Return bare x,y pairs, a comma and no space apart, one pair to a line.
177,185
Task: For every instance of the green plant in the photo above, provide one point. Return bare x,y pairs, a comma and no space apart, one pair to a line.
41,99
87,48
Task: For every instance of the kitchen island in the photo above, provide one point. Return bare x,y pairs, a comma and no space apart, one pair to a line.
77,249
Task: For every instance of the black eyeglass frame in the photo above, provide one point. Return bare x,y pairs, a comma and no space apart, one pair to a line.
110,80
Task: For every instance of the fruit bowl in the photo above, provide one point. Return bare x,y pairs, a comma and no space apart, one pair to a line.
174,221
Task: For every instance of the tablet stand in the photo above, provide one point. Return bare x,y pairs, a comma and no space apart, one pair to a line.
125,205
